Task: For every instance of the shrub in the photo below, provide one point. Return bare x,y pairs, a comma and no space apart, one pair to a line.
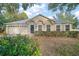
73,34
18,46
68,50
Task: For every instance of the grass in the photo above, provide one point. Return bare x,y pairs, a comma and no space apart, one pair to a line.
68,50
58,46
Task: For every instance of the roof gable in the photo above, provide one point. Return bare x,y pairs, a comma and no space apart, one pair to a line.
41,18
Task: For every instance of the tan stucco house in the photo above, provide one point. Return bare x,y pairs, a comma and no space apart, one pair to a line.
37,23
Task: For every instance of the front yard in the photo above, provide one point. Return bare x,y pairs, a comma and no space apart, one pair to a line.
43,43
57,46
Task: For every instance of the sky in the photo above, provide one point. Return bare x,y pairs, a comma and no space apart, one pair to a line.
43,9
76,12
38,9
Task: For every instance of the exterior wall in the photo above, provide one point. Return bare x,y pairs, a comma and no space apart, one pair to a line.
44,27
53,27
62,27
70,27
45,20
41,21
75,29
36,26
16,30
26,30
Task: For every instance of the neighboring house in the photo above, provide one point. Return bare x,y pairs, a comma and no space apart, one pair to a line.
37,23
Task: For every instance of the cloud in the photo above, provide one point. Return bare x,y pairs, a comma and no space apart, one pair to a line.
20,8
51,17
28,13
37,9
77,14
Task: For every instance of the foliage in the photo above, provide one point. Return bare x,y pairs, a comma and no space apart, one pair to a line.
67,8
10,11
22,16
62,6
13,7
68,18
18,46
2,21
58,34
68,50
25,5
15,17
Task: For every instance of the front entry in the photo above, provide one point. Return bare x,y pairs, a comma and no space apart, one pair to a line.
32,28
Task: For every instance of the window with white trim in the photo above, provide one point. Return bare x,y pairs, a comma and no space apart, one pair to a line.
48,28
67,27
57,27
39,27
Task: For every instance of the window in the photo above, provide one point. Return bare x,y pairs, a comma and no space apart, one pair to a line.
39,27
57,27
48,27
32,28
35,26
67,27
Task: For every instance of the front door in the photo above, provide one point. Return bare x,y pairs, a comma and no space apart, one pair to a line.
32,28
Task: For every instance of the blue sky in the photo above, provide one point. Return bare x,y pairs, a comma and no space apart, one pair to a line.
76,12
43,9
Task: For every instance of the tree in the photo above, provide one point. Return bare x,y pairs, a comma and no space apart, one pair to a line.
2,21
11,13
23,15
67,17
63,6
20,16
15,17
13,7
66,8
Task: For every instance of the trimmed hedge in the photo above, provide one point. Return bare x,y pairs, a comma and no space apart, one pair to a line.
73,34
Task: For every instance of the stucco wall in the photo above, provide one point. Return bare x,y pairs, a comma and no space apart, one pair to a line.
39,20
26,30
63,28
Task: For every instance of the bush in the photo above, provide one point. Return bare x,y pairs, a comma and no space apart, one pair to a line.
73,34
68,50
18,46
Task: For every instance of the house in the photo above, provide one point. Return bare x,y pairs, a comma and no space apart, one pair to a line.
37,23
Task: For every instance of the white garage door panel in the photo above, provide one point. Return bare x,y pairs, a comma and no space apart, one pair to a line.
16,30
